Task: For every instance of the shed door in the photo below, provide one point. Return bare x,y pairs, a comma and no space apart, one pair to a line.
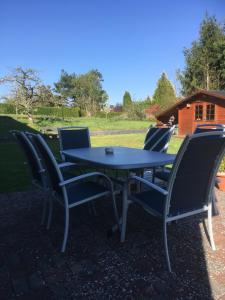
186,120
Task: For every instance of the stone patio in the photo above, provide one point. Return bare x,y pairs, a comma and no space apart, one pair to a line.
99,267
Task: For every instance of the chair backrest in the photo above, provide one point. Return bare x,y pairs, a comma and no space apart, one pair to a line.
157,139
200,128
74,137
35,166
53,171
193,174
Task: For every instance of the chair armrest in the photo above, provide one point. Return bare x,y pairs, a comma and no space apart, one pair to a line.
150,184
66,164
84,176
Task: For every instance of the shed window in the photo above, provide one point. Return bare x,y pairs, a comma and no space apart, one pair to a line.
198,112
210,112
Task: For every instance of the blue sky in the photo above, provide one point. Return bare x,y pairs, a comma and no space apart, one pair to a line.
130,42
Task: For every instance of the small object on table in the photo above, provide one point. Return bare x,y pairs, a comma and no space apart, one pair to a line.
109,151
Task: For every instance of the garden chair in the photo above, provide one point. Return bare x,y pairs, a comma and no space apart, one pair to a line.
209,128
164,173
74,191
37,170
190,186
61,165
157,139
73,137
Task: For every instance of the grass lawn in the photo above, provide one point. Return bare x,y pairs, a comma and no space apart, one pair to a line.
14,174
95,124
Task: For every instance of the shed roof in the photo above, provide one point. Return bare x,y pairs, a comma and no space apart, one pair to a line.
173,109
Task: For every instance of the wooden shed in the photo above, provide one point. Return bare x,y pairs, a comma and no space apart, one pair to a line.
200,108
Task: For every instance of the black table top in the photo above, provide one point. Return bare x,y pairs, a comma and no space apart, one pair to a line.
122,157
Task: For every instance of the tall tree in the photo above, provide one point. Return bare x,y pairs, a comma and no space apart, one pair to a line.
164,94
25,84
205,60
127,101
84,91
45,96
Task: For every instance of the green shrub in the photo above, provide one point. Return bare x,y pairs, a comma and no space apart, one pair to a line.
7,108
60,112
82,113
110,115
222,165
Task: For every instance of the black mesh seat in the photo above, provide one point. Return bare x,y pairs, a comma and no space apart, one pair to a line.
151,200
157,139
163,174
32,157
73,191
37,170
73,137
190,186
84,190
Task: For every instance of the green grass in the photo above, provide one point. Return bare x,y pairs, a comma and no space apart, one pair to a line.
95,124
14,175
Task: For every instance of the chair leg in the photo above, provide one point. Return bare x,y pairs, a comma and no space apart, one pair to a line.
166,245
210,227
50,214
214,206
66,229
115,209
124,215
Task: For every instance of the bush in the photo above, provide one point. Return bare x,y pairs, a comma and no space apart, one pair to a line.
7,108
110,115
60,112
222,165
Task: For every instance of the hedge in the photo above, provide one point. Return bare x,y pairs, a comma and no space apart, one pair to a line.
110,115
7,108
61,112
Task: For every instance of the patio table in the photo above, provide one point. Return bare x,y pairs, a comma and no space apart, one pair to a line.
122,158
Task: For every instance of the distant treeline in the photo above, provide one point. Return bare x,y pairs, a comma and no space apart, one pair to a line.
59,112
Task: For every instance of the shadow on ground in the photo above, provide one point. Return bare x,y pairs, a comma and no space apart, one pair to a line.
97,267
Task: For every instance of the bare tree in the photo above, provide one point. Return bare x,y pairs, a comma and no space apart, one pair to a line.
25,83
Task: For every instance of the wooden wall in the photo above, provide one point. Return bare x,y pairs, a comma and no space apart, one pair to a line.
186,113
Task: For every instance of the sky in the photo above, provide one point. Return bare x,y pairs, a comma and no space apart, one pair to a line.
131,42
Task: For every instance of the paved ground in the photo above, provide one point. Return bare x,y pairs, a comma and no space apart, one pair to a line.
97,267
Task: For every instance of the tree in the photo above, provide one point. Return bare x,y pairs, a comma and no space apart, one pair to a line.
24,83
164,94
127,101
84,91
45,96
205,60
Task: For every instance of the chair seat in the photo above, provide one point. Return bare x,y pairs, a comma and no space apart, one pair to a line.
163,174
83,191
151,200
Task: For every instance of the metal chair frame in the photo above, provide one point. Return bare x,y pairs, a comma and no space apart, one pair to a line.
64,200
43,185
127,199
